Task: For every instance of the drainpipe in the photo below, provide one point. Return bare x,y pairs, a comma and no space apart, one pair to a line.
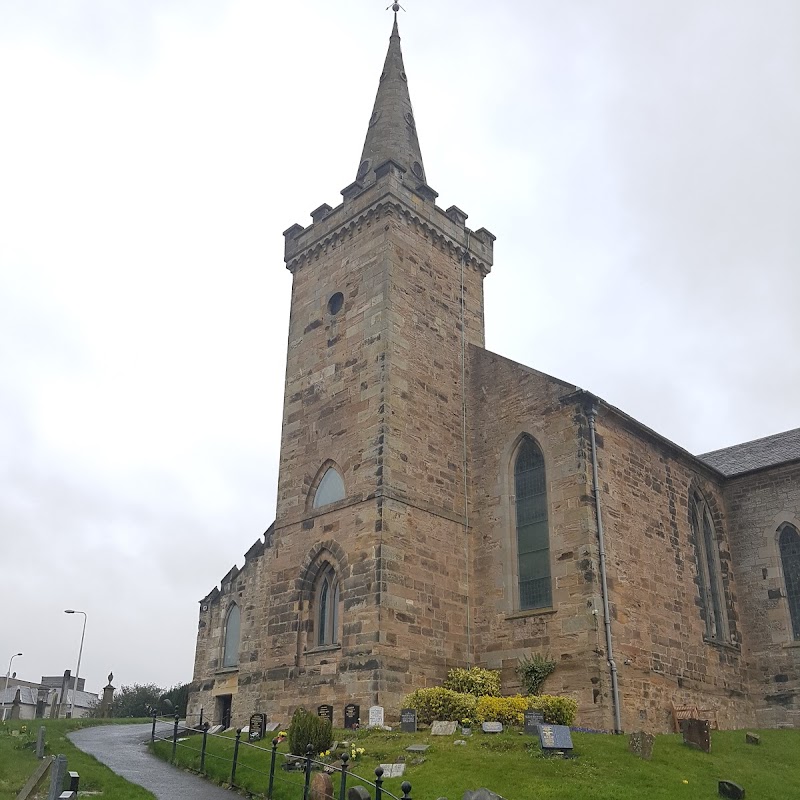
603,579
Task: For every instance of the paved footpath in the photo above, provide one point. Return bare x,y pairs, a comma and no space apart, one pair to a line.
123,749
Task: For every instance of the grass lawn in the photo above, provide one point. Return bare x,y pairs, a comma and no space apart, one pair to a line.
18,759
512,765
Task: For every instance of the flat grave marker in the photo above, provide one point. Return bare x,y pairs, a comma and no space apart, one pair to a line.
271,726
555,737
492,727
408,720
417,748
439,728
352,714
393,770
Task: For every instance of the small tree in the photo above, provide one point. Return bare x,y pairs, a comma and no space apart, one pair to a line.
533,671
178,696
139,700
308,729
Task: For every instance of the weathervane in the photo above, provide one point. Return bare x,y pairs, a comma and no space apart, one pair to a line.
395,7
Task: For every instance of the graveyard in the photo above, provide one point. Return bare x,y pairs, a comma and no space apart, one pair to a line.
446,763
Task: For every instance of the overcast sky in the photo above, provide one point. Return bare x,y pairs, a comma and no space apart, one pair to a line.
637,160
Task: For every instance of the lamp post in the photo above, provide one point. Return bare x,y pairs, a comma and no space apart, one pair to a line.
8,675
80,653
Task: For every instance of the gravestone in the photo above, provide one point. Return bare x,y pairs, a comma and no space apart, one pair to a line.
443,728
408,720
532,720
352,714
730,790
376,716
641,744
752,738
58,771
492,727
326,712
255,730
555,737
417,748
40,742
271,726
357,793
696,734
321,787
216,729
481,794
393,770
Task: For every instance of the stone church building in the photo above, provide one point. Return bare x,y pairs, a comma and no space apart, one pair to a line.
440,505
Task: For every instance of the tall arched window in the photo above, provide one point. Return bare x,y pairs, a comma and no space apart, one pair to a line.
712,592
533,540
327,618
230,649
330,489
789,543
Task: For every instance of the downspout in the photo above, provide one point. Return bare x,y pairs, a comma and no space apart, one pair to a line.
603,578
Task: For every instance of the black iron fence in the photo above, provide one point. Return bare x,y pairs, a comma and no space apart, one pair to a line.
171,730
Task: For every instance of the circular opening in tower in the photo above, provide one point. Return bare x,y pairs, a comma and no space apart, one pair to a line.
335,303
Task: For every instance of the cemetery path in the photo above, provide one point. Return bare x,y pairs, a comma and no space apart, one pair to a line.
123,749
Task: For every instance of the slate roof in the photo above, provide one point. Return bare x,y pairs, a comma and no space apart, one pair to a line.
759,454
27,695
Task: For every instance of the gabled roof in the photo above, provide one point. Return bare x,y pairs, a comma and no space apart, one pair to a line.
758,454
27,695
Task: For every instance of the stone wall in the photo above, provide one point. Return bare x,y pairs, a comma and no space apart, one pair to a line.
659,633
759,504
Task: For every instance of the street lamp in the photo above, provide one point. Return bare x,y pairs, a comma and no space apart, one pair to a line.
80,653
5,691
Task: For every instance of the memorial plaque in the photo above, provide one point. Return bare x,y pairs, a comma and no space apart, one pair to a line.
533,719
352,714
376,717
417,748
393,770
730,790
696,734
492,727
443,728
555,737
326,712
641,744
256,728
408,720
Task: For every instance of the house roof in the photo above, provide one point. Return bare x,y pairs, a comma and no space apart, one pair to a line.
27,695
758,454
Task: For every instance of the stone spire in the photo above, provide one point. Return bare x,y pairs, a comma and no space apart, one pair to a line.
392,131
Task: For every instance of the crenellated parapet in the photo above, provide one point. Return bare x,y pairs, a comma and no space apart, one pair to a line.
390,196
228,582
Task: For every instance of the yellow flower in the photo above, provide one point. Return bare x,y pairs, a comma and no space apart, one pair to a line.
685,781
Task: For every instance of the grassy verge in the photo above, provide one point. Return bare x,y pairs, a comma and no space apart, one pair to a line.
513,766
18,759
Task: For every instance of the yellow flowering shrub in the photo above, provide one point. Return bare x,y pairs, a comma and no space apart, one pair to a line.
508,710
555,709
438,703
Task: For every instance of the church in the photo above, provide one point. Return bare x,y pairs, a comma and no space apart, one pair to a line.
442,506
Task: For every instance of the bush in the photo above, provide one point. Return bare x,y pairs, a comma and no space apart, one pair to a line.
438,703
555,710
533,671
477,681
508,710
309,729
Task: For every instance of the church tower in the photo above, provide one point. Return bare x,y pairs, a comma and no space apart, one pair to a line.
369,579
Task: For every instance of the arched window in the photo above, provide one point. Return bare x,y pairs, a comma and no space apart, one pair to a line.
709,575
330,489
533,541
230,650
789,543
327,617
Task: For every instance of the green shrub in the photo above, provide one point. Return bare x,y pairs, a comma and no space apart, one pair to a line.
477,681
308,729
556,710
508,710
438,703
533,671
